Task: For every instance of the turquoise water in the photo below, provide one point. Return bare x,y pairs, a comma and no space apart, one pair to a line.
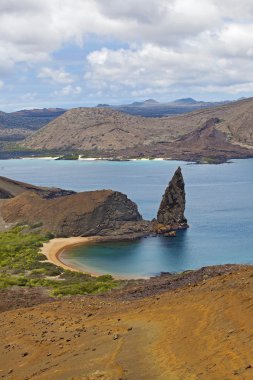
219,210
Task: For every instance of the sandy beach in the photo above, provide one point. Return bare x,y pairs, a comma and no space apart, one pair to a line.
54,248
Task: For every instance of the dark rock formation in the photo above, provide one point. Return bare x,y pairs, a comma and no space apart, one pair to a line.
170,215
104,212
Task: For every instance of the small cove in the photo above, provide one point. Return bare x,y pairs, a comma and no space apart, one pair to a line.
219,210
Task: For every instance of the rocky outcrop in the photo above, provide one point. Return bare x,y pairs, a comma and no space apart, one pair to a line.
170,216
104,212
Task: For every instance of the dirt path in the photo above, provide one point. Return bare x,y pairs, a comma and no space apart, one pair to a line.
202,331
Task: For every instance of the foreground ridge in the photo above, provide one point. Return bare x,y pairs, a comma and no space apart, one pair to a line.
115,337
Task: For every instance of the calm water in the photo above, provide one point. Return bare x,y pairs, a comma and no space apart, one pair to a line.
219,210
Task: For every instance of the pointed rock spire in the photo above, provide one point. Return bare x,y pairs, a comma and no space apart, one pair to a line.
172,207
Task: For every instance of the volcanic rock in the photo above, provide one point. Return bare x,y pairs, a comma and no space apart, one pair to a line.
170,215
103,212
93,213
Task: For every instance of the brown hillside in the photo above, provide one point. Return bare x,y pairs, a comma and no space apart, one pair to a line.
194,331
10,188
113,133
80,214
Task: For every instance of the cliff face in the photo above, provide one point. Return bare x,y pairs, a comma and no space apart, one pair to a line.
106,213
170,215
78,214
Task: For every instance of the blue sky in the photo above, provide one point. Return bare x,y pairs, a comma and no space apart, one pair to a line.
63,53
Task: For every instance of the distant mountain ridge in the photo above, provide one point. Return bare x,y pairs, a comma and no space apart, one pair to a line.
187,101
153,108
38,112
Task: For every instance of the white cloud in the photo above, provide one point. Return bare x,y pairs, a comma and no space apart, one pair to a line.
57,76
168,44
1,84
13,6
30,31
231,89
153,69
68,91
29,96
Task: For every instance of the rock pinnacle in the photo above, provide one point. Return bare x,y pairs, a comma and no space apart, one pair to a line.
172,207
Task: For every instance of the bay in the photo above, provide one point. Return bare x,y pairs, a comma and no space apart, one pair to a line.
219,210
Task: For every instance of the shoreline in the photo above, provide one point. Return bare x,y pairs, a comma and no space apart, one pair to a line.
55,247
192,160
80,158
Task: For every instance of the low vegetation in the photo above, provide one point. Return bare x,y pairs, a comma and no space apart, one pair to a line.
211,160
22,264
69,157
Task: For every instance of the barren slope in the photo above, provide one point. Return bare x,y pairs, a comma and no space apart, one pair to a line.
199,331
90,128
112,132
81,214
10,188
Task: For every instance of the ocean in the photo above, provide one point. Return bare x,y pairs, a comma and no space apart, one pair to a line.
219,209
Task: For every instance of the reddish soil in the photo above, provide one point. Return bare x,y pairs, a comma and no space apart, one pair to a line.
198,325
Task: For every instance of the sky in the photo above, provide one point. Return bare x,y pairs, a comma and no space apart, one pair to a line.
71,53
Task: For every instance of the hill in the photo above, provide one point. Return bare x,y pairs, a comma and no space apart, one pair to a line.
16,126
10,188
187,101
50,113
66,213
220,132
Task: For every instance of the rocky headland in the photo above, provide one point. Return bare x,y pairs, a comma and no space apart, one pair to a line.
107,213
81,214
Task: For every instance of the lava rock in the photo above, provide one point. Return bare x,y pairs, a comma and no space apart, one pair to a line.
172,207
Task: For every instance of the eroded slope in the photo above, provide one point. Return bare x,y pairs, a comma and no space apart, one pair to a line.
199,331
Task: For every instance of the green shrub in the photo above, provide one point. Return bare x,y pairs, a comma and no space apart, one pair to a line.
22,264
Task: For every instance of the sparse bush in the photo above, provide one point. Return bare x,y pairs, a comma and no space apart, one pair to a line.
22,264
